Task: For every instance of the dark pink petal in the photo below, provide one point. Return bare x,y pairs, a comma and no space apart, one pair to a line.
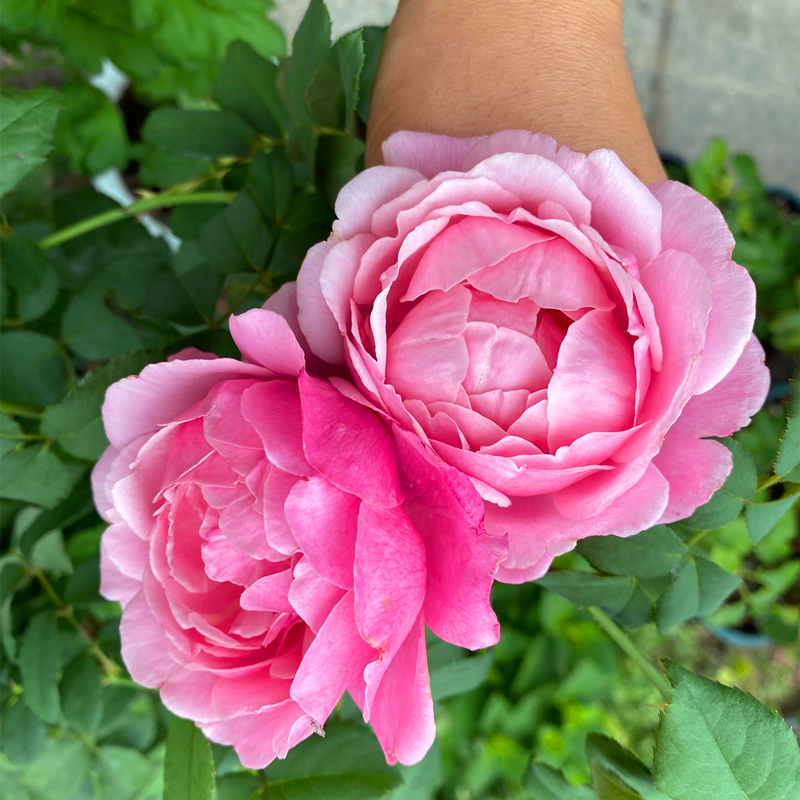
333,660
348,444
265,338
461,561
428,153
273,408
402,713
324,522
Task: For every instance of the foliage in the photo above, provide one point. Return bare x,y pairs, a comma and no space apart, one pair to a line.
242,155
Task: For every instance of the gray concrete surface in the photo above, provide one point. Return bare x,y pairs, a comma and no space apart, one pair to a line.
702,68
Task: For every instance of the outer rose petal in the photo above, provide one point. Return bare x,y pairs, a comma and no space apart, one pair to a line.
315,318
734,400
145,647
333,660
348,444
402,714
535,144
695,469
428,153
693,224
461,559
265,338
161,392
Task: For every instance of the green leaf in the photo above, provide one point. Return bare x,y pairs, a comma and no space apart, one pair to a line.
59,772
40,665
637,611
91,131
236,240
77,422
23,734
350,786
189,765
460,675
789,450
81,696
30,274
761,518
37,475
10,434
239,786
714,583
27,123
649,554
123,772
339,160
50,556
350,54
207,134
681,601
743,480
617,773
272,183
310,47
545,783
34,369
373,43
587,589
718,743
246,85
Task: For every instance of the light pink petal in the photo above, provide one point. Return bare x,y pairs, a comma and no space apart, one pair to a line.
594,383
535,179
225,562
427,357
324,521
502,358
333,660
137,405
348,444
100,492
537,531
624,211
428,153
145,648
520,316
338,274
511,141
461,560
315,318
123,557
477,429
694,468
692,224
273,408
402,713
265,338
188,694
730,405
247,694
553,274
368,191
465,248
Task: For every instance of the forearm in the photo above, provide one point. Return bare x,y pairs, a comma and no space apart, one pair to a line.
467,67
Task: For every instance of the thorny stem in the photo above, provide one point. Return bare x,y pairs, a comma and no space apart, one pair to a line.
625,644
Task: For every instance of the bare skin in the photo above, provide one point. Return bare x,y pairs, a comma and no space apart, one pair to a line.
469,67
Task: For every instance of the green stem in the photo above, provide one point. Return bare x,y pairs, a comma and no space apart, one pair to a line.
162,200
19,410
767,482
625,644
110,667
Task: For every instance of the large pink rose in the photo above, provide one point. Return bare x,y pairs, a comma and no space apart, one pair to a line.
269,554
563,334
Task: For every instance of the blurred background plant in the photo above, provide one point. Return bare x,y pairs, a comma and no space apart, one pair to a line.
229,156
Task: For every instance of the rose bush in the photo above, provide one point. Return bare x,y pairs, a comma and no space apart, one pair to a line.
270,553
563,334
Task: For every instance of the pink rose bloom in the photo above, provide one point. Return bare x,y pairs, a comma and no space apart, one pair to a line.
558,331
270,555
